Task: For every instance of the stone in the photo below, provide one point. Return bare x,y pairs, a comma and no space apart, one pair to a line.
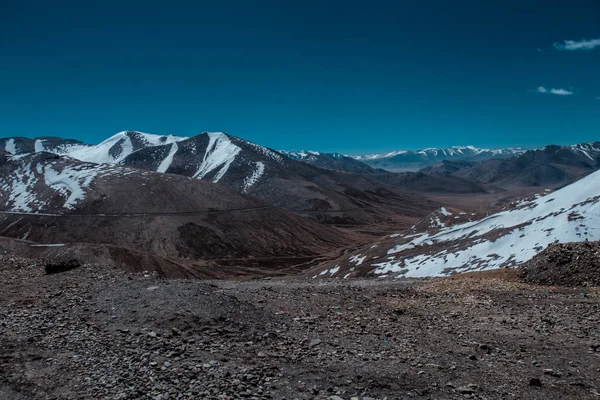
535,382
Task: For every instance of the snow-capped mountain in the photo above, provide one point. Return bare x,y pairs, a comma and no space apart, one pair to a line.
549,166
326,195
53,199
333,161
409,160
504,239
112,150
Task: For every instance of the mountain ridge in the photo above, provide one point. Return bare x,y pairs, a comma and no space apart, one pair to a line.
325,195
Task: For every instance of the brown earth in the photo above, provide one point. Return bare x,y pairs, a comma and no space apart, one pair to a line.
97,332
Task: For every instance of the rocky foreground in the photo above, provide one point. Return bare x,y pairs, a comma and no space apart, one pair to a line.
100,333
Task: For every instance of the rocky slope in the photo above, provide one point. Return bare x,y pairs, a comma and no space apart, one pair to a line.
427,184
565,264
504,239
50,199
113,335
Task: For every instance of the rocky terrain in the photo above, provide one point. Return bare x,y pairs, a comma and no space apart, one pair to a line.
566,264
96,332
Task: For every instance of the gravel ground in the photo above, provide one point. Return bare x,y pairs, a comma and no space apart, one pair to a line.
100,333
567,264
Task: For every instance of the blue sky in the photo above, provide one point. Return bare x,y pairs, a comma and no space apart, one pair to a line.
349,76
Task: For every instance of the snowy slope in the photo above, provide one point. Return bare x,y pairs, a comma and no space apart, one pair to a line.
219,155
117,147
500,240
42,182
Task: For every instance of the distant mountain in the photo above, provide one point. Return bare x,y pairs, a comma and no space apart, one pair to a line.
326,195
504,239
423,183
51,199
447,168
550,166
333,161
419,182
407,160
110,151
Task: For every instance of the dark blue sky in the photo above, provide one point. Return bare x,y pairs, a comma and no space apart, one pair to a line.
351,76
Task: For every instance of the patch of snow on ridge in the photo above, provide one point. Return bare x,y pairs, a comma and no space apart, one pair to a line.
20,189
256,174
300,155
445,212
39,146
71,182
220,153
357,259
571,214
32,186
166,163
10,147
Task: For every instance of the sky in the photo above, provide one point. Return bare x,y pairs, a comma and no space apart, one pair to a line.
350,76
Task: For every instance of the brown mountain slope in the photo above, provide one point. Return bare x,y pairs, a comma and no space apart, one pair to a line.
51,199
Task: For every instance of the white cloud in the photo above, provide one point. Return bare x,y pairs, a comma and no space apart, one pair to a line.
559,92
583,44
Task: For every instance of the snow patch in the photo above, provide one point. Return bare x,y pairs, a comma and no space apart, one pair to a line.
39,146
357,259
256,174
10,147
220,153
70,182
445,212
166,163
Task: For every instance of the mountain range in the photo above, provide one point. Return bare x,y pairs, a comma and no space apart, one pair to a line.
189,206
323,194
549,166
409,160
